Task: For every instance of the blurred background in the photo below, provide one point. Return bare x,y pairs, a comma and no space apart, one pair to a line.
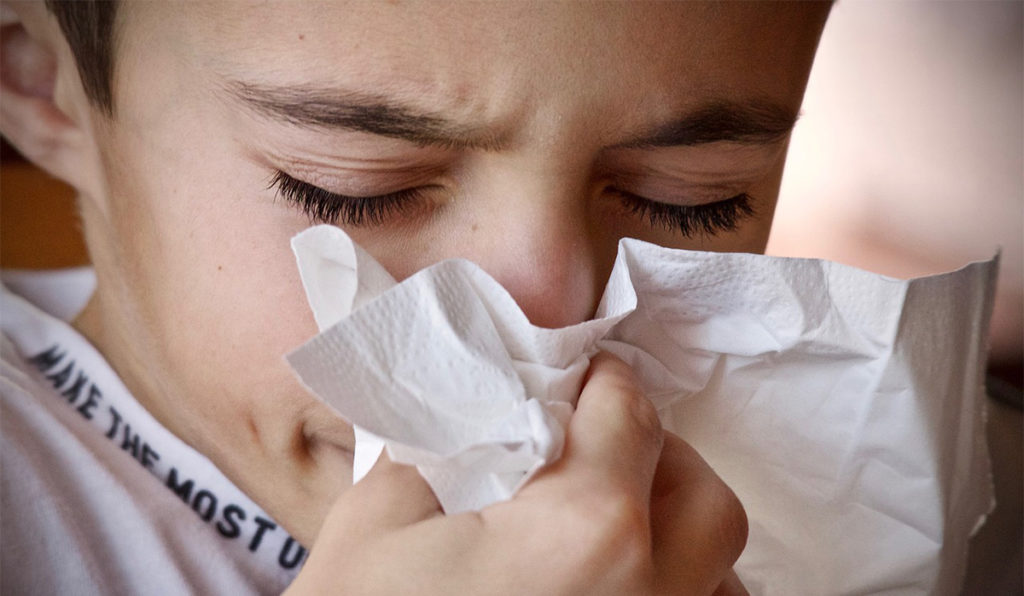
908,159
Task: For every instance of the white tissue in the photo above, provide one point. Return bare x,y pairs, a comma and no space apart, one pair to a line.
844,408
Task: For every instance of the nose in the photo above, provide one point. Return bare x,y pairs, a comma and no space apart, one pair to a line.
542,246
547,267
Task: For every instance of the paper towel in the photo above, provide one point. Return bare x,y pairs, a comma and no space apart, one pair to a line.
844,408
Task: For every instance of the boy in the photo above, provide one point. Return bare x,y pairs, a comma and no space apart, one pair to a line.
527,138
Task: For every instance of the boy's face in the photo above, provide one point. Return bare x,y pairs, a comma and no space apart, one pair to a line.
534,136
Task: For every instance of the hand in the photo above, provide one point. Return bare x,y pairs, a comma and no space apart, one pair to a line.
628,509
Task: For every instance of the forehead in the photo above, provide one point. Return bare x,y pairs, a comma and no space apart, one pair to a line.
491,60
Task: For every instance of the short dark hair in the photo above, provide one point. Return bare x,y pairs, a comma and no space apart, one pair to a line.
88,26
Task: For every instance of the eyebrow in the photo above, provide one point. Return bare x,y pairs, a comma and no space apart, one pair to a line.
755,122
360,112
751,123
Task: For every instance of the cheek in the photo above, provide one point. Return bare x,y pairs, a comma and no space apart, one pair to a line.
210,270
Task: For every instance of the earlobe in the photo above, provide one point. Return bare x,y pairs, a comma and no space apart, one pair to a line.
30,118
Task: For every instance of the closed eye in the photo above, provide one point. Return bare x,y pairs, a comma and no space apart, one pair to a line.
324,206
706,219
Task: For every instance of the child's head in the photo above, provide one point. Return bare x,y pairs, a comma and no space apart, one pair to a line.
528,138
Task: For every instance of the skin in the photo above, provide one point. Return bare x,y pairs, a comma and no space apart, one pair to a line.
198,296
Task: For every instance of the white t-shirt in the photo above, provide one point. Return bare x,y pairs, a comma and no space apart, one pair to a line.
97,496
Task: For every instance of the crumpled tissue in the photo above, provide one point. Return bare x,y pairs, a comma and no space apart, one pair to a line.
844,408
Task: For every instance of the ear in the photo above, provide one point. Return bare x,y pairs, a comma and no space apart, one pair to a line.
51,129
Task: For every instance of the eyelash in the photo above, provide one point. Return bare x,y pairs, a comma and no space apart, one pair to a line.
324,206
707,219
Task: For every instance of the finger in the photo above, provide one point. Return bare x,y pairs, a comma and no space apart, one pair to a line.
390,496
614,437
731,586
694,517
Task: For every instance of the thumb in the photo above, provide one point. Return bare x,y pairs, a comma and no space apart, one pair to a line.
391,496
